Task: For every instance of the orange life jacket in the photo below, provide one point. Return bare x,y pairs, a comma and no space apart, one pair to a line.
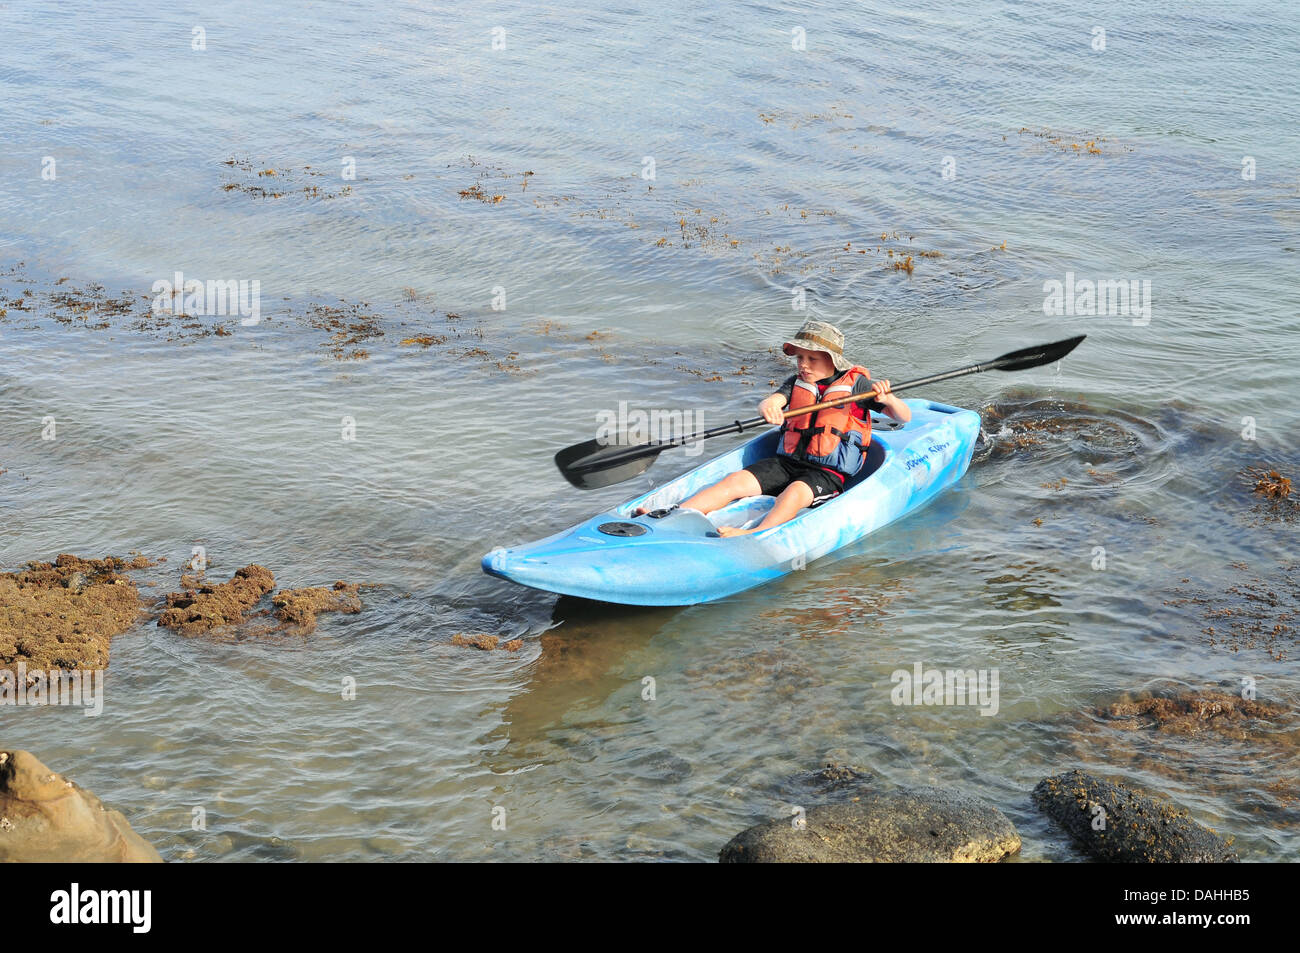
831,438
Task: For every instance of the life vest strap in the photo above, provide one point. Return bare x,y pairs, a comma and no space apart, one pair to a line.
805,438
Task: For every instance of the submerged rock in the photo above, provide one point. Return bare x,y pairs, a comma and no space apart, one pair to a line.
1250,612
834,780
195,611
1115,823
46,818
64,614
1180,738
920,825
1194,712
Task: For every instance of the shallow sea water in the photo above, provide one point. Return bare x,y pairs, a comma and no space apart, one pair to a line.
773,169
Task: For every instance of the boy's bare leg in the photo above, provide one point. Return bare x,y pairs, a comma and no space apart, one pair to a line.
792,499
732,487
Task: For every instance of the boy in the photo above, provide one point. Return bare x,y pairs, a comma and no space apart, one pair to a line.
818,452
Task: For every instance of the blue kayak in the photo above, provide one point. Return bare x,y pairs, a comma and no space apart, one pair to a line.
679,559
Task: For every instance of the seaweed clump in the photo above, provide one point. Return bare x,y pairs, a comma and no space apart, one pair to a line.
485,642
202,607
64,614
298,607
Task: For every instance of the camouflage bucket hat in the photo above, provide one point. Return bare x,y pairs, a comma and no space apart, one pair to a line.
820,336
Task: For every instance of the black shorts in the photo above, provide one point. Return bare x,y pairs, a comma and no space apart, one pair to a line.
774,474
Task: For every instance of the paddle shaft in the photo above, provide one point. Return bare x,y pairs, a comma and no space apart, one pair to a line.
593,456
739,426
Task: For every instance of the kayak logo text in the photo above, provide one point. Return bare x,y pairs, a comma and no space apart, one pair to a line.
624,426
918,460
936,686
38,687
76,906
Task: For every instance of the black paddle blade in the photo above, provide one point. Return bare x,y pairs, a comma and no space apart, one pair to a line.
1035,356
593,463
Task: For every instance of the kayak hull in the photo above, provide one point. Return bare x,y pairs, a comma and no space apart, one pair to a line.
680,560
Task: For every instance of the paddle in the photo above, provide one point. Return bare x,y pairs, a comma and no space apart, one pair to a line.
596,463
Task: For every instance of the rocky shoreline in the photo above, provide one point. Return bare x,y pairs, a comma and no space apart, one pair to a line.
63,615
57,622
44,817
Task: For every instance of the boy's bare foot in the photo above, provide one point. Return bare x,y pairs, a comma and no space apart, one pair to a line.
657,514
734,531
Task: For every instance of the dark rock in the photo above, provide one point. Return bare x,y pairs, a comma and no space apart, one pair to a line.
921,825
1115,823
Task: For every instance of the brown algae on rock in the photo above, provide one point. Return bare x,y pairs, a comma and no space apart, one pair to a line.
204,606
485,642
1211,741
298,607
1192,712
1275,488
198,610
63,614
1270,483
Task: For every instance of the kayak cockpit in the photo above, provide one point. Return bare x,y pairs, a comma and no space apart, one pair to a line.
749,511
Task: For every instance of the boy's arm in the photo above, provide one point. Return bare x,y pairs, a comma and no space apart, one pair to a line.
770,407
885,402
890,402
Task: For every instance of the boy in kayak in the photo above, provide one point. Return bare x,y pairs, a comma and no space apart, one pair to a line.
819,451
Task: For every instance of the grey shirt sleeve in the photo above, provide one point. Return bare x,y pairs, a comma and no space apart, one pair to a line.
861,386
